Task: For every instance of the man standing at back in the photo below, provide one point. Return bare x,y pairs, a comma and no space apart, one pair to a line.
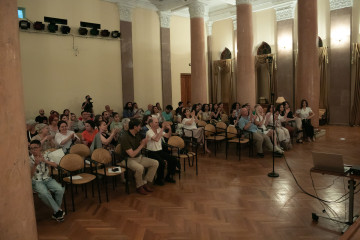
131,145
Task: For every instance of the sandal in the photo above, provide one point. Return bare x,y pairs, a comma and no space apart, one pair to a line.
299,141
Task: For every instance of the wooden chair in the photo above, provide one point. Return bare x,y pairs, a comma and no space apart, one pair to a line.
72,164
177,147
79,135
221,128
234,137
211,133
83,151
201,123
117,153
102,159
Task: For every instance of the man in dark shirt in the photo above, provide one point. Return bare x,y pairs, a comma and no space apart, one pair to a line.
87,106
41,118
131,145
178,110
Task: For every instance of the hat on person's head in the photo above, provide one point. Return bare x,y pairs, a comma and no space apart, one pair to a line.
40,126
31,122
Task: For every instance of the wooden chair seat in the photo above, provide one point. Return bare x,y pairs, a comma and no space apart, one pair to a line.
110,174
236,140
216,138
86,177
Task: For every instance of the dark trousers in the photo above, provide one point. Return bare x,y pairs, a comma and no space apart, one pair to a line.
161,157
308,128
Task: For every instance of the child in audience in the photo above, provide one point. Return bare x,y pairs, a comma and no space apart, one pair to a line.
116,123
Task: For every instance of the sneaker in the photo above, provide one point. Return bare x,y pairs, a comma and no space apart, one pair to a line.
59,216
278,150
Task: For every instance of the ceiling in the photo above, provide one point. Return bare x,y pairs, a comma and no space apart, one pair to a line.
218,9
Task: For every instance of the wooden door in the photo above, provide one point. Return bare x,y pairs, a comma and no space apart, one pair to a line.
185,88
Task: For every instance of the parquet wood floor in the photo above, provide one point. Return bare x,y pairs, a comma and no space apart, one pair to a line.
229,199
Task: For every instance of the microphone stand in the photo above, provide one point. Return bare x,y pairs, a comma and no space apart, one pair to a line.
273,174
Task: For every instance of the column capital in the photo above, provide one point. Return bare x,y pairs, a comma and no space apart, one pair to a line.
285,12
234,21
198,9
164,19
339,4
209,25
125,11
238,2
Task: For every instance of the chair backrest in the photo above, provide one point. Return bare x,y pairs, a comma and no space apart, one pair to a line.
231,132
201,123
209,129
224,118
101,155
222,126
80,149
118,149
176,141
72,162
79,135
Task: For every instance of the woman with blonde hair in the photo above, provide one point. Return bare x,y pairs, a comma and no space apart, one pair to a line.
47,140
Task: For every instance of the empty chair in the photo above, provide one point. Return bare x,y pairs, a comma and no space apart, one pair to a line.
233,136
72,164
212,134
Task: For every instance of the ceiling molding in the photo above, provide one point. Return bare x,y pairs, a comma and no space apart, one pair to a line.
339,4
215,10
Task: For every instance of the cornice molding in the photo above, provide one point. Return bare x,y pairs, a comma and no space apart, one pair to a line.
164,19
339,4
285,13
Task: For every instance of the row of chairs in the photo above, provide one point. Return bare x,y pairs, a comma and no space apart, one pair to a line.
220,131
79,167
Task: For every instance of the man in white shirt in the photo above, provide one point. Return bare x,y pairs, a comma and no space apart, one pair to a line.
155,151
42,183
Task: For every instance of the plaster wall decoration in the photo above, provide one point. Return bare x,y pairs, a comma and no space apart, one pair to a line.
285,13
209,27
244,2
165,19
339,4
197,10
125,12
234,23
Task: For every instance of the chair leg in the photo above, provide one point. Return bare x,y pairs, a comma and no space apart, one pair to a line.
215,147
72,197
92,188
65,206
85,190
239,151
98,187
226,149
196,162
184,165
106,190
127,181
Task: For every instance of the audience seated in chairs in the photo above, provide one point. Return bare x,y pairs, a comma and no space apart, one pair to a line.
245,123
89,133
47,141
53,124
206,113
116,123
30,129
42,183
108,140
41,118
305,114
128,110
191,130
154,146
65,138
131,145
233,119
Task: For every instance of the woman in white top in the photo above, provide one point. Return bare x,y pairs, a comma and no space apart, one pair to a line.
156,113
191,130
262,121
305,114
65,137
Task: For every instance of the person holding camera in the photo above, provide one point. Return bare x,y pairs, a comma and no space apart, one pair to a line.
87,106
